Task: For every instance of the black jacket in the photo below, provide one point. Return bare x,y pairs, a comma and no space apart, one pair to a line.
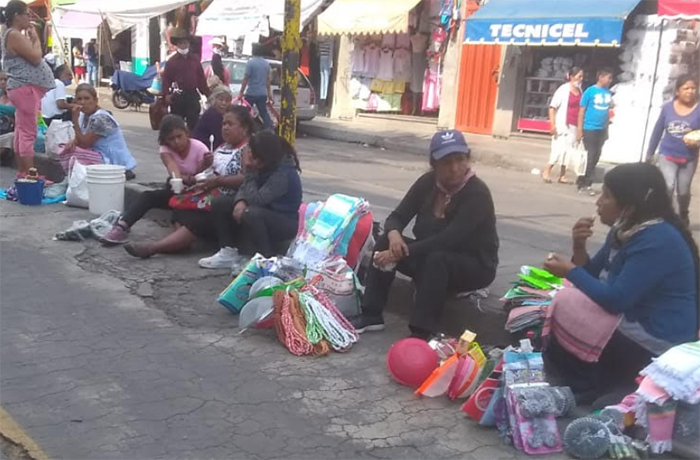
469,225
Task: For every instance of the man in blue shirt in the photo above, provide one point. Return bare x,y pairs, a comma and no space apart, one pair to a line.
593,119
256,85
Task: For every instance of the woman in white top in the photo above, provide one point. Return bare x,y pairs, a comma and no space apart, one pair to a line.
563,119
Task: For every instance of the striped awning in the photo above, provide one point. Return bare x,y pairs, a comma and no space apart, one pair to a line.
357,17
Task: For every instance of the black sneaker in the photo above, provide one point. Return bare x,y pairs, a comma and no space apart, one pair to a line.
368,324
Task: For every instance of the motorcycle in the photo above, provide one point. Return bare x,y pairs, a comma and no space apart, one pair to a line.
131,90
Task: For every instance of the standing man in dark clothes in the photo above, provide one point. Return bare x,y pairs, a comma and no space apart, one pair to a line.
456,243
182,77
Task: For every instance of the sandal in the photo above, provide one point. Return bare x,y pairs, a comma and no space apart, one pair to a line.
563,181
546,180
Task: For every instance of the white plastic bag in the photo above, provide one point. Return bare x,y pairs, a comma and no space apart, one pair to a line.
337,280
579,159
77,193
58,135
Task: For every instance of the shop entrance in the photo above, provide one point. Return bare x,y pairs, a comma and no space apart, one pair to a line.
478,77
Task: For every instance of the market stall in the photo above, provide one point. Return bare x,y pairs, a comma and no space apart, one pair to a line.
397,53
553,36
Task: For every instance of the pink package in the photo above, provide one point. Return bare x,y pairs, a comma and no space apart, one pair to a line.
534,436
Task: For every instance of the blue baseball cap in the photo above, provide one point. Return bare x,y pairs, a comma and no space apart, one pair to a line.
448,142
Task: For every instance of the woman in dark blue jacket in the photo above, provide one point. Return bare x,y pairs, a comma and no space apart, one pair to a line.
647,271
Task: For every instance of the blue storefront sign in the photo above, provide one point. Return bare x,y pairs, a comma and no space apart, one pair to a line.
549,22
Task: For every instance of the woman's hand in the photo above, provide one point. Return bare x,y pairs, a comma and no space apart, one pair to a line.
397,246
31,34
75,114
558,265
583,229
238,210
207,161
210,183
189,180
384,258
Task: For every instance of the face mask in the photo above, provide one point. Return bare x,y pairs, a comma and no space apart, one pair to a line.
183,52
578,84
216,51
67,81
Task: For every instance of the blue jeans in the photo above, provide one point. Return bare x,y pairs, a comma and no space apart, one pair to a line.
92,73
261,103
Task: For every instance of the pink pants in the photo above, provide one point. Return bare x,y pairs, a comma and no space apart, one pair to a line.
27,102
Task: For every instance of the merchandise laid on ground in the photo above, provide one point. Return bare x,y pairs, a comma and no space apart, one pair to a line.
507,388
309,294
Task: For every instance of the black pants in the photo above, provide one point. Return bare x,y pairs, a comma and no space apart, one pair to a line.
619,365
435,276
186,104
593,141
261,230
147,201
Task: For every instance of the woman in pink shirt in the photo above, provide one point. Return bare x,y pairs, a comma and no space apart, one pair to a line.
182,157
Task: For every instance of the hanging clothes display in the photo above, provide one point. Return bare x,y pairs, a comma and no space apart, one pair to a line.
325,56
400,71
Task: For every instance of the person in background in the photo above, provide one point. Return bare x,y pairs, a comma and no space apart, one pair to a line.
79,64
256,84
563,122
184,71
647,271
182,157
265,208
98,137
216,224
92,62
456,244
53,104
209,124
678,154
217,74
593,120
4,99
29,77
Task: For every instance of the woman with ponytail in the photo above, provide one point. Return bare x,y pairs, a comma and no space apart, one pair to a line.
642,284
29,77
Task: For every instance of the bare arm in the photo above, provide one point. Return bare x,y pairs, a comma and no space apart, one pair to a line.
171,165
581,114
552,120
28,47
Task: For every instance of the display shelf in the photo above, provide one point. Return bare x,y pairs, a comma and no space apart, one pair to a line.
535,108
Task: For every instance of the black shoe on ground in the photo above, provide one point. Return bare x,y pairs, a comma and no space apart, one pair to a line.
130,175
368,324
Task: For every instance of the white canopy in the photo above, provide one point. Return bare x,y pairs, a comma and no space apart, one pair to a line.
240,17
123,14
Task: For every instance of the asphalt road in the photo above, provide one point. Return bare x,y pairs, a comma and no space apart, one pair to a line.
103,356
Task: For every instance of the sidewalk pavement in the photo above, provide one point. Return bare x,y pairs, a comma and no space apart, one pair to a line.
406,134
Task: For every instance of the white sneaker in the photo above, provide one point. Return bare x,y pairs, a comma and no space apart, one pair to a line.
222,259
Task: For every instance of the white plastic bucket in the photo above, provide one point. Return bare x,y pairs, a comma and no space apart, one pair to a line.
106,188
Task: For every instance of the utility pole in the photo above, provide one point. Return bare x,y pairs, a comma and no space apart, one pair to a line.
291,44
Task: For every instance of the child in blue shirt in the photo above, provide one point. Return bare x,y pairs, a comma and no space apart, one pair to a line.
593,119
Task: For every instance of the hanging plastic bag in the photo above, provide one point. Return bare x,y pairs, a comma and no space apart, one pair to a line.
77,193
59,134
579,159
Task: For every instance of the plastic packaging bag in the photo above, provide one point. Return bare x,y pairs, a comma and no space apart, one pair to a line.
58,135
77,193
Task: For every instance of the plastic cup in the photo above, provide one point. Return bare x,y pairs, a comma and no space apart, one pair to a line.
176,185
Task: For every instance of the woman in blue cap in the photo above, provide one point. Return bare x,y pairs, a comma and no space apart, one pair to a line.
455,247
